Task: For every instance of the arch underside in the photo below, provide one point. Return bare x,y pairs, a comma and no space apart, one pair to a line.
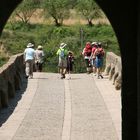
122,18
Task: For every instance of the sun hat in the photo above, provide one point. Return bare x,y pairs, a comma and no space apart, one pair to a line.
62,45
30,45
99,44
94,43
39,47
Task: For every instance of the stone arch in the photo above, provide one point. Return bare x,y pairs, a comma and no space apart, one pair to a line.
0,100
17,80
11,90
122,17
4,98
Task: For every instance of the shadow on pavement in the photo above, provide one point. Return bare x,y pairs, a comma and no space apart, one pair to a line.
6,112
40,78
72,78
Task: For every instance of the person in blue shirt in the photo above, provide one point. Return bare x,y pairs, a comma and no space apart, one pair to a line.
29,56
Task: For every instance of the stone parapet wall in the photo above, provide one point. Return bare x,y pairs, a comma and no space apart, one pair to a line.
11,76
114,69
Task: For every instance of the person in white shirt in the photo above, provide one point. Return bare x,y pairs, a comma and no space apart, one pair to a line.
29,56
39,58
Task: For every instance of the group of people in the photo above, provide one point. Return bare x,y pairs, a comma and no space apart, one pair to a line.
33,58
93,55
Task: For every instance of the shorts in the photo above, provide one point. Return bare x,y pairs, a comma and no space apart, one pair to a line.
62,63
93,62
98,63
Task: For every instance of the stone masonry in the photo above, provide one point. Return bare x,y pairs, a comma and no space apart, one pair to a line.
113,69
11,75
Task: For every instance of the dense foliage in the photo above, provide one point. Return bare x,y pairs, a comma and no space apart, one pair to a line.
50,37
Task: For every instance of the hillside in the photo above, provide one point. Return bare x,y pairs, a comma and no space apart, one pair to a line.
75,18
16,35
50,37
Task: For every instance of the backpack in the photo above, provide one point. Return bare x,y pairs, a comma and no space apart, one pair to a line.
87,51
62,54
99,53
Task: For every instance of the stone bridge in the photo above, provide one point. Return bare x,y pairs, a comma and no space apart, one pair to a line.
124,18
12,74
47,107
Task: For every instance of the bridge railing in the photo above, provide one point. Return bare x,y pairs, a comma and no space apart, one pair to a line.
114,69
11,76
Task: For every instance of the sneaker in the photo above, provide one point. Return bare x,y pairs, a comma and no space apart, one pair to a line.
26,76
101,76
63,75
31,77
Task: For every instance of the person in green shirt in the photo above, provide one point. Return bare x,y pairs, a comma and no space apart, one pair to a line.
62,53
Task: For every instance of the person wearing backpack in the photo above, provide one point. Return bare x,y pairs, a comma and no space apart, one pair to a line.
62,53
87,55
99,53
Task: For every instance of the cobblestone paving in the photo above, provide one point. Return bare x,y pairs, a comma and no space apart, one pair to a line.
54,109
90,118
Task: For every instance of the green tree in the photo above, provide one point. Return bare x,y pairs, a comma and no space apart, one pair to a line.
89,9
26,9
57,9
72,3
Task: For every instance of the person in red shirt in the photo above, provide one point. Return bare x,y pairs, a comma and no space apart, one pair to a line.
87,54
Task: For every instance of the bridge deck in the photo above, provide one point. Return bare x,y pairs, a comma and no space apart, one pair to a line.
48,108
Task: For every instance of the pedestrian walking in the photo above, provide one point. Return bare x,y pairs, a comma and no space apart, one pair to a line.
99,53
29,56
62,53
87,53
70,63
93,57
39,58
